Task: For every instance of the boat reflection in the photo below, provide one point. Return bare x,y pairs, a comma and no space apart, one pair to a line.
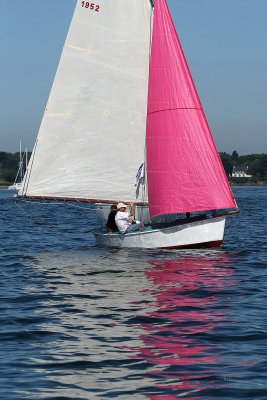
185,312
116,325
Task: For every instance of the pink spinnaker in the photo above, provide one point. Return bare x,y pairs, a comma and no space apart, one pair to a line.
184,171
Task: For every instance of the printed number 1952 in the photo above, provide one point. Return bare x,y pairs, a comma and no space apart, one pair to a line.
91,6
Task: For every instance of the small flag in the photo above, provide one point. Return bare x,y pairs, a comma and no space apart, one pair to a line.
140,174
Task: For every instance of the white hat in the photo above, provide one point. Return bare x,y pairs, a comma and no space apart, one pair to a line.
121,205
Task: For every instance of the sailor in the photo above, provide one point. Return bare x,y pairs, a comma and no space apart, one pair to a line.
123,219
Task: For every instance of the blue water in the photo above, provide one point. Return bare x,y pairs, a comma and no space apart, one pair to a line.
81,322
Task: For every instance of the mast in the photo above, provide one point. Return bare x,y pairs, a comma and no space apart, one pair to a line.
20,162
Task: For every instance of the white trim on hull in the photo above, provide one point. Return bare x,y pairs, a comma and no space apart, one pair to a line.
200,233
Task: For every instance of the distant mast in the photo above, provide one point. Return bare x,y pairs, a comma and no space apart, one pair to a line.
20,162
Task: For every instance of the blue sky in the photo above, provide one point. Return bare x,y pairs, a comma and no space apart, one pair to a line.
224,41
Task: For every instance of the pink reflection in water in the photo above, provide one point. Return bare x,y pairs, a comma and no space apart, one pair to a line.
186,305
171,397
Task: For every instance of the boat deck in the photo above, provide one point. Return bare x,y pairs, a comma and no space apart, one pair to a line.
153,227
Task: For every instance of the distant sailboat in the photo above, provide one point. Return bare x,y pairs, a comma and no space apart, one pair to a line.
123,96
23,161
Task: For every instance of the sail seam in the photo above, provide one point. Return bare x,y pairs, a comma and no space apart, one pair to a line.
173,109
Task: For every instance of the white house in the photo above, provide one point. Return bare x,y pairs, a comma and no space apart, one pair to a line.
240,172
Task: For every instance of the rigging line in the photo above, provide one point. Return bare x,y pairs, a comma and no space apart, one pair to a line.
40,221
55,203
41,202
144,186
32,215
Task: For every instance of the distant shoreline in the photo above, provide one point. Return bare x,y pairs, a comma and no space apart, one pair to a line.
248,184
5,186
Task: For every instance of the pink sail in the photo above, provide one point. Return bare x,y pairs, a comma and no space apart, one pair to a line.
184,171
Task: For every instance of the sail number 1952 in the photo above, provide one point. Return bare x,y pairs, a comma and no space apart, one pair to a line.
90,6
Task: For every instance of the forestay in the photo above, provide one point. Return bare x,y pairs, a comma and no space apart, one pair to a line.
92,137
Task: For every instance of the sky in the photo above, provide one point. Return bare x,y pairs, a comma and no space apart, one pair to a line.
225,43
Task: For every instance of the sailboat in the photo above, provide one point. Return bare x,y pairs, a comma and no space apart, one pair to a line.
124,123
23,161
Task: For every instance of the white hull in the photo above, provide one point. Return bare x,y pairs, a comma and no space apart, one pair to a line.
198,233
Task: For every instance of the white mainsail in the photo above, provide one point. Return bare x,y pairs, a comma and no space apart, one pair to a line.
92,137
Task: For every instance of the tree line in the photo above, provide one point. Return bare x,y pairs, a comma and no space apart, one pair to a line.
256,165
9,166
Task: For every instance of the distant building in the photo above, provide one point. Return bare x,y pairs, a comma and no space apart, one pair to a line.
240,172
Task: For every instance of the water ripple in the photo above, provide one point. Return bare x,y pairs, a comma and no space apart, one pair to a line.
80,322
